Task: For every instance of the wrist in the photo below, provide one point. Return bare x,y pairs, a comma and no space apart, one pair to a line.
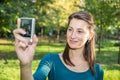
25,65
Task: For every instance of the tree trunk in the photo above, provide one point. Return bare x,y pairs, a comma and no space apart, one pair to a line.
42,31
58,37
119,56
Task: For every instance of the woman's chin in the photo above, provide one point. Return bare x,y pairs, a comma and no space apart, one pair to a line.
75,47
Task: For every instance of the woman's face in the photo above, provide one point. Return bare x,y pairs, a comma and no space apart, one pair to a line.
77,33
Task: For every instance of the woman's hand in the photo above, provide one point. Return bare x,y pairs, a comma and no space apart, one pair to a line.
24,50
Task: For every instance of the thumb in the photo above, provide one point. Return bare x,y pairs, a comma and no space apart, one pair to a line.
35,40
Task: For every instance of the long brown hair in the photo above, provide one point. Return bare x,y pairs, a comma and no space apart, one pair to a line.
89,50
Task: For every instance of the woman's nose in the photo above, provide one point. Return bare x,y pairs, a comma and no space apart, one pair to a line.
73,35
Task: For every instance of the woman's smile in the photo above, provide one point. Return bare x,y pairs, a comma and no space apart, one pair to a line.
73,41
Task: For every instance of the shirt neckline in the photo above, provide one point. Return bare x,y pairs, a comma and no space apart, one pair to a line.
69,69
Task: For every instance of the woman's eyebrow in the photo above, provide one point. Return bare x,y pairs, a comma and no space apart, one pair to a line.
70,27
79,28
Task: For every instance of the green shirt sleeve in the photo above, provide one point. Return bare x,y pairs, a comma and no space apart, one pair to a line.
43,68
99,72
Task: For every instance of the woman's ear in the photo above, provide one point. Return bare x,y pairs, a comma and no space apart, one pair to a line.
91,35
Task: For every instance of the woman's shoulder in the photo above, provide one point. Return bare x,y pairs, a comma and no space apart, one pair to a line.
98,66
48,59
50,56
99,71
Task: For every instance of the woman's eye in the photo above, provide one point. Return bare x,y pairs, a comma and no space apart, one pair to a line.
80,31
69,29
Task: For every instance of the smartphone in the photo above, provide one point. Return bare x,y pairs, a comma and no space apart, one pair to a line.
27,24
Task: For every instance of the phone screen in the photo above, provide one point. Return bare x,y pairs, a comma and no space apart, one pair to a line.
26,24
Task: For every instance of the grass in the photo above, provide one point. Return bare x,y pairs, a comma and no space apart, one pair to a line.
10,71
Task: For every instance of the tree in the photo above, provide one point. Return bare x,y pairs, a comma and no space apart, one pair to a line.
58,14
106,19
11,10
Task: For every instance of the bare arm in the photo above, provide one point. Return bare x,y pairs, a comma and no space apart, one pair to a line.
25,53
26,72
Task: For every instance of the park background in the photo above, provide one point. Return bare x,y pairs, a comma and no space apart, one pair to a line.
51,18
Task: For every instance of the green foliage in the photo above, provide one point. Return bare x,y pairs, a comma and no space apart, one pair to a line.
10,71
11,10
106,19
111,73
44,11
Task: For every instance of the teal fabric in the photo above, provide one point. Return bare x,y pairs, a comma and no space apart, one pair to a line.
52,67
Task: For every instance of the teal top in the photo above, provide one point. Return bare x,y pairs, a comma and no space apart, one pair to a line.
52,67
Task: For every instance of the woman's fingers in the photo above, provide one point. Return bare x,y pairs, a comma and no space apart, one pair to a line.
20,44
18,37
18,31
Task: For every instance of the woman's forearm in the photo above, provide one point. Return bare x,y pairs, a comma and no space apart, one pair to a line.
26,72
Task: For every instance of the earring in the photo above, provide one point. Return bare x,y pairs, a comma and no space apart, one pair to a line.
88,41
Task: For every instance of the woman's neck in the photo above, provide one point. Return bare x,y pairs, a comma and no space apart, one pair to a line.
76,54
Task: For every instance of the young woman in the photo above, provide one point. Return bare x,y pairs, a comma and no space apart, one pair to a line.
77,62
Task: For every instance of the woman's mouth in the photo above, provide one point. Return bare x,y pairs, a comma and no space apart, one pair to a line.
73,42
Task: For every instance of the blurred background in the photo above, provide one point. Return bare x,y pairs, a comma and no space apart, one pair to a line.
51,23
